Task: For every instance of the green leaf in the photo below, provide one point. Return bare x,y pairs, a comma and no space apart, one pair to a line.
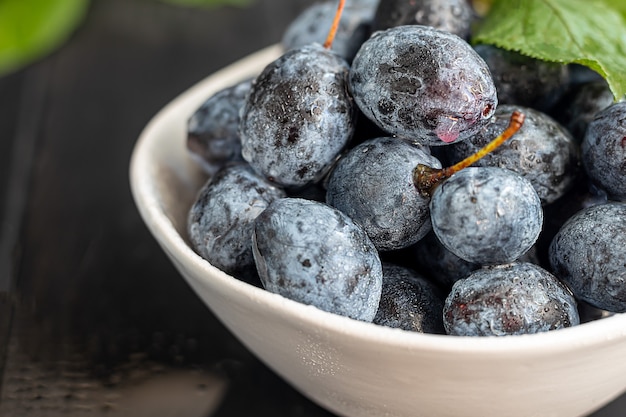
619,5
30,29
209,3
587,32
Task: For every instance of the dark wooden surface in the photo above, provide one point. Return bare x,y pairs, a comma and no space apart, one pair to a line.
93,319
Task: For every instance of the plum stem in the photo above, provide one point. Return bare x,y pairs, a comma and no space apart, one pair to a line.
333,29
426,178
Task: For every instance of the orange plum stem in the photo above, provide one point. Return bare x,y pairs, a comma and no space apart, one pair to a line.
426,179
333,29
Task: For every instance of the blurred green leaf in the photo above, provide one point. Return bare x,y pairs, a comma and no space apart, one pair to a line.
209,3
618,5
30,29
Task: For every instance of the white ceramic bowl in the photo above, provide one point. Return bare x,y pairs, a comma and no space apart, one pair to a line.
360,369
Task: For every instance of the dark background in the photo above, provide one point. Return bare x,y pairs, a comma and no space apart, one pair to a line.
94,320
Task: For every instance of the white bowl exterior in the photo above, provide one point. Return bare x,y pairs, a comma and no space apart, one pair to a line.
359,369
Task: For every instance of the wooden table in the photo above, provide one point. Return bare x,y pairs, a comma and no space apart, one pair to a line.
93,319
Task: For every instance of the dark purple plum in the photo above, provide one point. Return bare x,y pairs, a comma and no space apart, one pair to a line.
542,151
438,263
581,196
589,254
213,129
373,185
581,104
486,215
220,222
313,25
454,16
523,80
312,253
409,301
604,151
423,84
298,116
512,299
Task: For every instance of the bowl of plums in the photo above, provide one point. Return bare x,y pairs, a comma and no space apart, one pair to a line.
402,219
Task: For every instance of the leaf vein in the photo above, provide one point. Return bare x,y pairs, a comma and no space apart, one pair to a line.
565,23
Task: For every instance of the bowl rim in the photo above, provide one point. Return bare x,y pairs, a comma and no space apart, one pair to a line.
595,333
